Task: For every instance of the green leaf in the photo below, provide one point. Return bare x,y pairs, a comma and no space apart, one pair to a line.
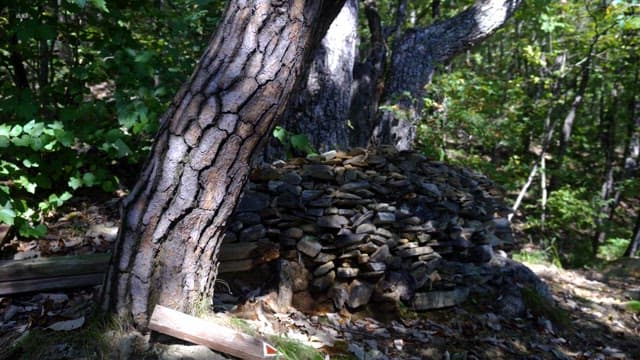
26,184
7,215
89,179
301,143
100,4
17,130
281,134
37,231
75,183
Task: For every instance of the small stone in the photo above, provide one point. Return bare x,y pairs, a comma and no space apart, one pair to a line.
348,239
366,228
359,294
339,293
323,269
253,233
308,195
315,212
294,233
253,201
368,248
355,186
482,253
248,218
381,255
384,218
333,221
309,245
363,259
350,254
300,276
431,190
417,251
292,178
376,266
440,299
384,232
347,272
317,171
322,202
324,257
322,283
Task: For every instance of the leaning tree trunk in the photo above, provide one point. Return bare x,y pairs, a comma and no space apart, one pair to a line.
415,58
319,107
173,219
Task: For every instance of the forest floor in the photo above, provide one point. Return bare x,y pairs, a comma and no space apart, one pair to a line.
590,319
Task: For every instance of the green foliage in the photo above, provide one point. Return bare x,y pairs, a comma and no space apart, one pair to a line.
634,306
97,77
491,109
613,248
293,143
295,350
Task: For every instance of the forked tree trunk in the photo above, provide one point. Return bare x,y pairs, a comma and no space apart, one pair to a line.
319,108
415,58
173,219
367,81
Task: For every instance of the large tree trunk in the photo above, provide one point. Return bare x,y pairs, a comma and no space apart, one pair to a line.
173,219
416,56
319,108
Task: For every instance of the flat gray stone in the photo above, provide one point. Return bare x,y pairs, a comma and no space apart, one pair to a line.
417,251
384,218
253,233
309,245
324,268
324,282
347,272
366,228
333,221
359,294
440,299
380,255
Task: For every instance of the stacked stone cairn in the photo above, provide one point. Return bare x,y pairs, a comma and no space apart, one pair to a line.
372,225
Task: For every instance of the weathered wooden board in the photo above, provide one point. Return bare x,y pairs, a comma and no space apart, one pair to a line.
50,283
202,332
14,270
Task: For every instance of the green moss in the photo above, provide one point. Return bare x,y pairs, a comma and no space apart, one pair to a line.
295,350
634,306
540,306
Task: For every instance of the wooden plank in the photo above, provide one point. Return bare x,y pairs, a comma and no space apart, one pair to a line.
13,270
202,332
50,283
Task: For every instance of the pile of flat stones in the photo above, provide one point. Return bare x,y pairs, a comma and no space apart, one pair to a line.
372,225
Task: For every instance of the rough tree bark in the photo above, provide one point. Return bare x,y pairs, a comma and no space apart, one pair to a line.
173,219
319,108
416,56
367,79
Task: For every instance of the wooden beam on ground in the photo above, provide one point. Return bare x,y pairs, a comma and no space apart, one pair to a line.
59,272
50,283
14,270
202,332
